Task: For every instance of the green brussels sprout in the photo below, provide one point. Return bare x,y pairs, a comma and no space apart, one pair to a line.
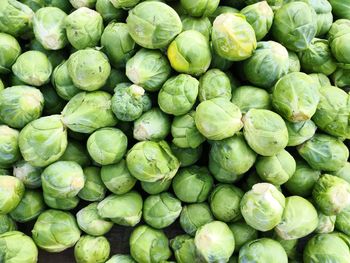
125,4
214,242
119,258
149,245
324,15
214,84
193,184
224,202
295,25
200,24
63,5
33,67
333,112
153,125
185,133
108,12
295,97
340,8
343,172
17,247
331,194
55,231
87,112
7,224
184,249
326,247
243,234
219,62
83,3
230,158
218,119
15,18
129,208
61,203
153,24
63,83
84,28
342,222
199,8
294,62
321,79
187,156
10,50
324,152
150,161
116,77
233,37
183,53
341,77
265,131
20,105
260,17
262,207
91,223
157,187
49,28
249,97
263,250
228,6
53,104
91,249
11,193
34,4
326,223
9,150
268,64
338,37
303,180
193,216
94,189
178,94
76,152
161,210
300,132
2,86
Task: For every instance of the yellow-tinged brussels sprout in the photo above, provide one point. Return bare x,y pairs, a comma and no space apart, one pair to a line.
20,105
43,141
243,234
84,28
108,12
338,37
187,156
17,247
10,50
325,223
341,8
83,3
150,161
94,189
7,224
55,231
262,207
233,37
91,249
33,68
11,193
61,203
125,4
214,84
183,53
153,24
341,77
9,146
184,249
193,216
120,258
214,242
295,25
300,132
294,62
200,24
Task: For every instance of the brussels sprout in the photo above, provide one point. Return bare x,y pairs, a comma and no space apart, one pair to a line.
125,4
321,79
326,223
193,184
53,104
263,250
151,161
193,216
214,84
149,245
331,194
34,4
119,258
243,234
157,187
340,8
185,133
333,112
260,17
199,8
294,62
108,12
265,131
91,249
76,152
15,18
161,210
129,208
218,119
9,150
187,156
11,193
214,242
183,53
20,105
83,3
17,247
7,224
224,202
63,5
63,83
233,37
87,112
324,152
343,172
61,203
2,86
33,68
153,24
219,62
91,223
94,189
303,180
55,231
288,22
249,97
153,125
268,64
300,132
229,159
324,15
262,207
200,24
84,28
341,77
184,249
326,247
338,37
178,94
10,50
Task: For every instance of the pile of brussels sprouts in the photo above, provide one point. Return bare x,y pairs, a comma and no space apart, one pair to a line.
227,121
